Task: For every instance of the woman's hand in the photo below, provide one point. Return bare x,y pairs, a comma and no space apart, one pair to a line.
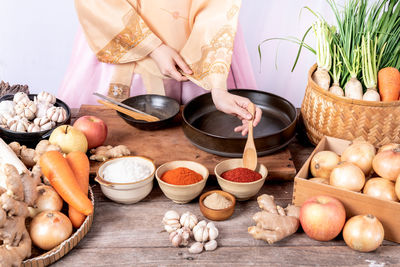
237,106
167,59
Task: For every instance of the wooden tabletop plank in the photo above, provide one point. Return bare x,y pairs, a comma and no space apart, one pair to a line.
171,144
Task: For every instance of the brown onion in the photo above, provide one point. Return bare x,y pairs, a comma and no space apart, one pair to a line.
323,162
389,147
48,199
363,233
348,176
380,188
387,164
397,187
320,180
361,154
49,229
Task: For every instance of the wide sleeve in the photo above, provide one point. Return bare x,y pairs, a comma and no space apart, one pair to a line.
208,50
115,31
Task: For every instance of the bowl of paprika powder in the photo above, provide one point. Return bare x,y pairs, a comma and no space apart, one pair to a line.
182,180
241,182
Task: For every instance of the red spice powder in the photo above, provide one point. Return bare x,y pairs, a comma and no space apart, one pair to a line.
181,176
241,175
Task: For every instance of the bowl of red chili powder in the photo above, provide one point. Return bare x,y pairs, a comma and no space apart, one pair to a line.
241,182
181,180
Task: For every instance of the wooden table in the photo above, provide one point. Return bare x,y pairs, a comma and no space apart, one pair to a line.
131,235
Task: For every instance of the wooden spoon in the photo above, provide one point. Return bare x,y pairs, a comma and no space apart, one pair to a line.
250,153
135,115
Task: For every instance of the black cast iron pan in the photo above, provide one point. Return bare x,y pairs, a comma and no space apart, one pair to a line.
212,130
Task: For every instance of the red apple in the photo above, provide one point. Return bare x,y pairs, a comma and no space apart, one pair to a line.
94,129
322,217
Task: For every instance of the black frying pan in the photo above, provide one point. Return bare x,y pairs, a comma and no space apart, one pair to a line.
212,130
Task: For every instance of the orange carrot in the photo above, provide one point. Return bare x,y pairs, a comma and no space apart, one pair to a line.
80,165
389,84
56,169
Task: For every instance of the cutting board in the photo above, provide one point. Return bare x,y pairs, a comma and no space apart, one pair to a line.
171,144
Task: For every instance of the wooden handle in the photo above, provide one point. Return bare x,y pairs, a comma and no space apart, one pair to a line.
135,115
252,109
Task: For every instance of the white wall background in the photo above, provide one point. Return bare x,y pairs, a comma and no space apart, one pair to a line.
36,39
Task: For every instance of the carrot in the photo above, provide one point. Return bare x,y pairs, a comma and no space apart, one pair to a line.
80,165
389,84
55,167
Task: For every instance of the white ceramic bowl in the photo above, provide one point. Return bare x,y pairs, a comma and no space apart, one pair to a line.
242,191
127,193
182,193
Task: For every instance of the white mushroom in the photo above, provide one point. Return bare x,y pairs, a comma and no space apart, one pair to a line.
57,114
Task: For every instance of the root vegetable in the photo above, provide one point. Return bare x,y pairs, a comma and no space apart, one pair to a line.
387,164
389,147
48,199
371,95
369,65
322,78
271,225
363,233
180,237
323,163
397,187
103,153
336,89
188,220
324,59
171,221
56,168
353,89
320,180
389,84
49,229
348,176
7,155
360,154
380,188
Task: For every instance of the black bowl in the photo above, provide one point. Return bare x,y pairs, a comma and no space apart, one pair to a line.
31,139
162,107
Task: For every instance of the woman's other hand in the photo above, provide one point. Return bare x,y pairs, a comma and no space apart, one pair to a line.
237,106
167,59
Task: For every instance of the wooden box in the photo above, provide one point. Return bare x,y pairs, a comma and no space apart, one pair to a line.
388,212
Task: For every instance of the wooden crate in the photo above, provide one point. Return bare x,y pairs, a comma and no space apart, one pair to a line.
355,203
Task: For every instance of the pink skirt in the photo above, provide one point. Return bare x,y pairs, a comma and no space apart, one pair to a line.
86,75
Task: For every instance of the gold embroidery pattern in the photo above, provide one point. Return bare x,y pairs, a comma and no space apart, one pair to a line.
232,12
216,56
118,91
133,34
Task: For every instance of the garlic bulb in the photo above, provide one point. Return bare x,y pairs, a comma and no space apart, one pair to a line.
171,221
56,114
210,245
3,119
21,98
17,124
44,123
46,97
180,237
188,220
204,231
27,110
42,108
7,107
33,128
196,248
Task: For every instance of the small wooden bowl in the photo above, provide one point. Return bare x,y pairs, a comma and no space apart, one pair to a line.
217,215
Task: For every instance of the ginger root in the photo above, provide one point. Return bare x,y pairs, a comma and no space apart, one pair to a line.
274,223
103,153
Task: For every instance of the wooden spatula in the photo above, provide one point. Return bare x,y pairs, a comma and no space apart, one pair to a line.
250,153
130,113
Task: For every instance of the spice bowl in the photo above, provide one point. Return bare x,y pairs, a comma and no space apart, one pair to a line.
217,214
182,193
242,191
131,192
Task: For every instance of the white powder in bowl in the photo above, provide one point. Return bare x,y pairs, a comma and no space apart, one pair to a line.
127,170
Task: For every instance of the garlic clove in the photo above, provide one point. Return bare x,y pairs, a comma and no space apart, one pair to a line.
171,214
196,248
213,233
210,245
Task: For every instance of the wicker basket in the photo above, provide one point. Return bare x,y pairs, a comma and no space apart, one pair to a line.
326,114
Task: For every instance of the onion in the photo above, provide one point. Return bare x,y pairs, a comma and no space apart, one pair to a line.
347,175
320,180
380,188
363,233
48,199
389,147
397,187
49,229
361,154
387,164
323,163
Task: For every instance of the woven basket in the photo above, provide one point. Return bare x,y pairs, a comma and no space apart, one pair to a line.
326,114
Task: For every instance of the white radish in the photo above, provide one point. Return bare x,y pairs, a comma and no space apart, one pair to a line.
322,78
324,61
371,95
353,89
369,67
336,89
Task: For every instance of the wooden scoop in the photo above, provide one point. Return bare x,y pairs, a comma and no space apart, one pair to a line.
250,153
